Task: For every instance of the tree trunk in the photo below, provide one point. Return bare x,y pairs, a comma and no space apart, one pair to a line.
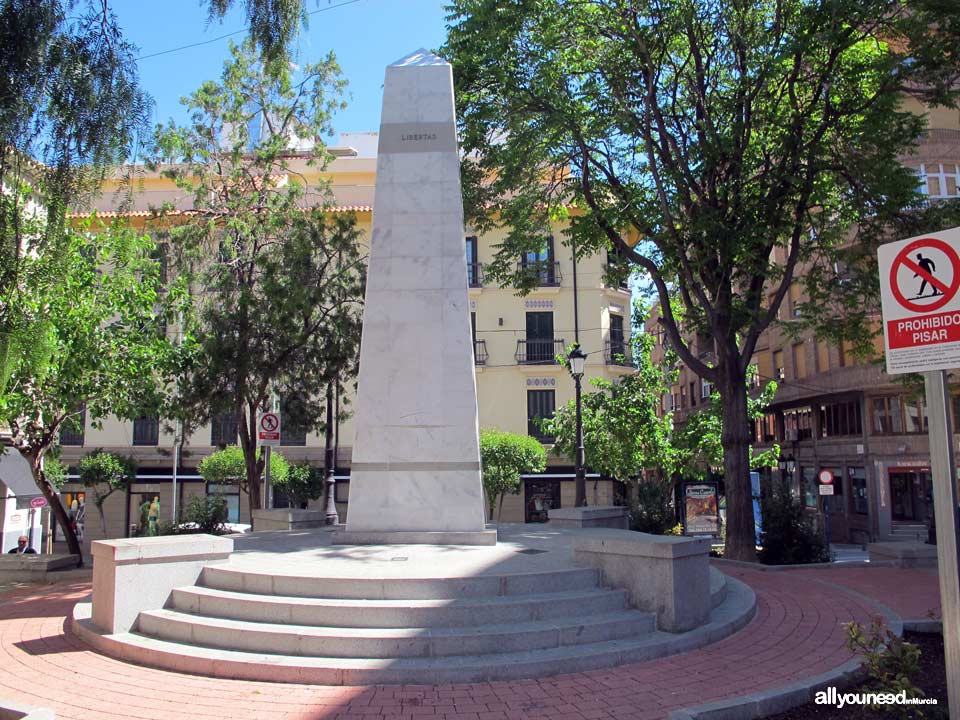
741,539
53,500
253,477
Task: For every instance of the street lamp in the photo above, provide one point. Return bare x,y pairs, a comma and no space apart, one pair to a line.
577,359
329,461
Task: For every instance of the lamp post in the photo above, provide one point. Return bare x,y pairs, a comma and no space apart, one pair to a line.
329,460
577,359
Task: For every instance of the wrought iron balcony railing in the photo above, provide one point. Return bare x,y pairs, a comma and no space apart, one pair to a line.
474,275
538,352
617,352
546,273
480,352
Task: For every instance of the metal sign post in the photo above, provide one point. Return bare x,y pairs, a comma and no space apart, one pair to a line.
942,466
920,296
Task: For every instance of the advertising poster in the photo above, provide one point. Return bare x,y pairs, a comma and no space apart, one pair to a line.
701,509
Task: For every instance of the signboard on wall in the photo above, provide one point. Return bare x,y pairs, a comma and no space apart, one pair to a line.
701,509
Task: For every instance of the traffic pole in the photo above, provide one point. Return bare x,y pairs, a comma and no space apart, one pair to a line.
943,467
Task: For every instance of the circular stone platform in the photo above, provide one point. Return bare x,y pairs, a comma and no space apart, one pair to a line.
291,607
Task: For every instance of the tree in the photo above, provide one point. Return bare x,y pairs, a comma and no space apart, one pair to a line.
277,285
302,483
504,458
103,473
229,467
622,432
103,350
719,146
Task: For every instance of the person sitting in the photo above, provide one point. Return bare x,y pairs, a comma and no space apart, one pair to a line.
22,548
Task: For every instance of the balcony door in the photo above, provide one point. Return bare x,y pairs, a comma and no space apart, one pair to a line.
540,337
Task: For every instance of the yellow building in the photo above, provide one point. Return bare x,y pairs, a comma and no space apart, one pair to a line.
516,340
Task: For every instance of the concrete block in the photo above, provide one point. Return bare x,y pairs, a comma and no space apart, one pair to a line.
135,574
666,575
612,516
287,519
904,554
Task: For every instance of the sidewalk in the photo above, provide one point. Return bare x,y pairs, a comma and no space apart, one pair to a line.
796,634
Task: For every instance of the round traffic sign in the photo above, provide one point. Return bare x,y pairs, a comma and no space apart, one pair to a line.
38,502
929,263
826,477
269,422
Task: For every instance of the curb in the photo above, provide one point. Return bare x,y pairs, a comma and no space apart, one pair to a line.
21,711
846,565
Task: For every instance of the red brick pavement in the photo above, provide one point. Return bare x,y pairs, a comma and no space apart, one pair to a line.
911,594
797,633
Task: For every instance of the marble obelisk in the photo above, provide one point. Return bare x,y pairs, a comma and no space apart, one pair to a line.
415,470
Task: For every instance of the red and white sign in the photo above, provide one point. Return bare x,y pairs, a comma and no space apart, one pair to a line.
919,283
268,429
38,502
826,477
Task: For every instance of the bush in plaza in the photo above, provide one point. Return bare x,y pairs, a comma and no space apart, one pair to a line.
301,484
651,509
226,467
103,473
788,536
204,514
505,457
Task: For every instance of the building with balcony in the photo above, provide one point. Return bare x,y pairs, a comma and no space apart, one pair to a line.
834,411
516,343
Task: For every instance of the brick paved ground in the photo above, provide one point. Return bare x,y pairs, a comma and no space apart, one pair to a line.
797,633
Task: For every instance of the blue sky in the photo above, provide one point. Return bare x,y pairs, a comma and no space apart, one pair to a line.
365,36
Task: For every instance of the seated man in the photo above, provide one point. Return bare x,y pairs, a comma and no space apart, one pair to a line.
22,548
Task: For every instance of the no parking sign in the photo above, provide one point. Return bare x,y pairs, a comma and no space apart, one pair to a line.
919,283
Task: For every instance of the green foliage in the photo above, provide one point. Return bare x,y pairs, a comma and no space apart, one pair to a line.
277,308
699,441
103,473
272,24
205,514
717,146
228,466
505,457
892,663
622,432
301,484
788,537
55,471
652,509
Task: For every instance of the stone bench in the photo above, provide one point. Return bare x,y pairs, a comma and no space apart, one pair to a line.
663,574
612,516
904,554
10,710
33,568
287,519
135,574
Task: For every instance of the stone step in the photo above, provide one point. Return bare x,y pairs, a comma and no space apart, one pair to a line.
305,640
226,577
433,613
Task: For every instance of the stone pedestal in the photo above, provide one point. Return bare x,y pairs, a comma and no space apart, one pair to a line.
663,574
288,519
416,456
137,574
611,516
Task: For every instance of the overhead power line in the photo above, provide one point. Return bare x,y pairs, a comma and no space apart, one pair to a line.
235,32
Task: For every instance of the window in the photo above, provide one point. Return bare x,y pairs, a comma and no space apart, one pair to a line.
823,356
886,416
224,429
539,347
618,270
683,397
799,361
809,489
290,434
795,300
939,180
617,345
842,418
706,389
779,374
693,394
231,494
858,489
146,431
915,415
473,263
542,261
768,428
798,424
71,432
847,357
540,406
